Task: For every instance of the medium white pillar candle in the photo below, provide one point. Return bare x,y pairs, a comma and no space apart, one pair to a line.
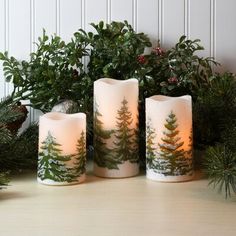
62,148
116,128
169,138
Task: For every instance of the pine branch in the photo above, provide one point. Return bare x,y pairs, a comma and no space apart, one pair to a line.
20,152
4,180
7,113
5,135
220,166
214,110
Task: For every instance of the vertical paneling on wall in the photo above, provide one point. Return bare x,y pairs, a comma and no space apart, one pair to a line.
225,33
200,17
21,22
173,21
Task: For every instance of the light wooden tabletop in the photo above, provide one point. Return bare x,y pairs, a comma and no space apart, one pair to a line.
133,206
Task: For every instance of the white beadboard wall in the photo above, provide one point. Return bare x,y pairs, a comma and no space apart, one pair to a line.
212,21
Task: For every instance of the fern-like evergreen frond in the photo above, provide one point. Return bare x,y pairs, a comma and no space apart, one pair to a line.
220,166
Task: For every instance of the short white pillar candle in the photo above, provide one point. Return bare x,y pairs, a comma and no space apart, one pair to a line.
116,128
169,138
62,148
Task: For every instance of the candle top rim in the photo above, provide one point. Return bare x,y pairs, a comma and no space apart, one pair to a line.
59,116
162,98
111,81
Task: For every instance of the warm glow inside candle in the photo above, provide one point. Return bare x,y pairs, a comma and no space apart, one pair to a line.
169,138
62,148
115,127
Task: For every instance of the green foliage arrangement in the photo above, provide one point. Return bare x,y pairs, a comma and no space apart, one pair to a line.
177,71
215,131
115,49
53,73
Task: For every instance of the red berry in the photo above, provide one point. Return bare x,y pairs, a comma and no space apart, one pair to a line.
173,80
141,59
159,51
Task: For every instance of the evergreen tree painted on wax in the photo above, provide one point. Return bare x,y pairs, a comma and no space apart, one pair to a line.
80,157
150,149
134,158
125,136
190,145
190,152
103,155
171,151
51,163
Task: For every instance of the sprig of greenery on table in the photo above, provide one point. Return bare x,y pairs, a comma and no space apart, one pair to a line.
215,131
220,166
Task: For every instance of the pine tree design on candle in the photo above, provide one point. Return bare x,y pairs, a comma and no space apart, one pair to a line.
103,156
172,156
190,145
51,163
134,158
150,142
80,161
126,141
190,152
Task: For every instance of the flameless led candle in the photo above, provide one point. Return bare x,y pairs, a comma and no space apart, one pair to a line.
116,128
62,148
169,138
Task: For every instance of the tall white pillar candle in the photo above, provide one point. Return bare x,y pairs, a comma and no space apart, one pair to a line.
169,138
62,148
116,128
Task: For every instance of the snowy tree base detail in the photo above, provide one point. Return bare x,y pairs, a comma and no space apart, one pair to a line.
168,178
55,183
124,170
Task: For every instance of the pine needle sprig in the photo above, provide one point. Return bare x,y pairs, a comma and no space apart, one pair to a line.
228,134
4,180
5,134
220,166
21,151
7,114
